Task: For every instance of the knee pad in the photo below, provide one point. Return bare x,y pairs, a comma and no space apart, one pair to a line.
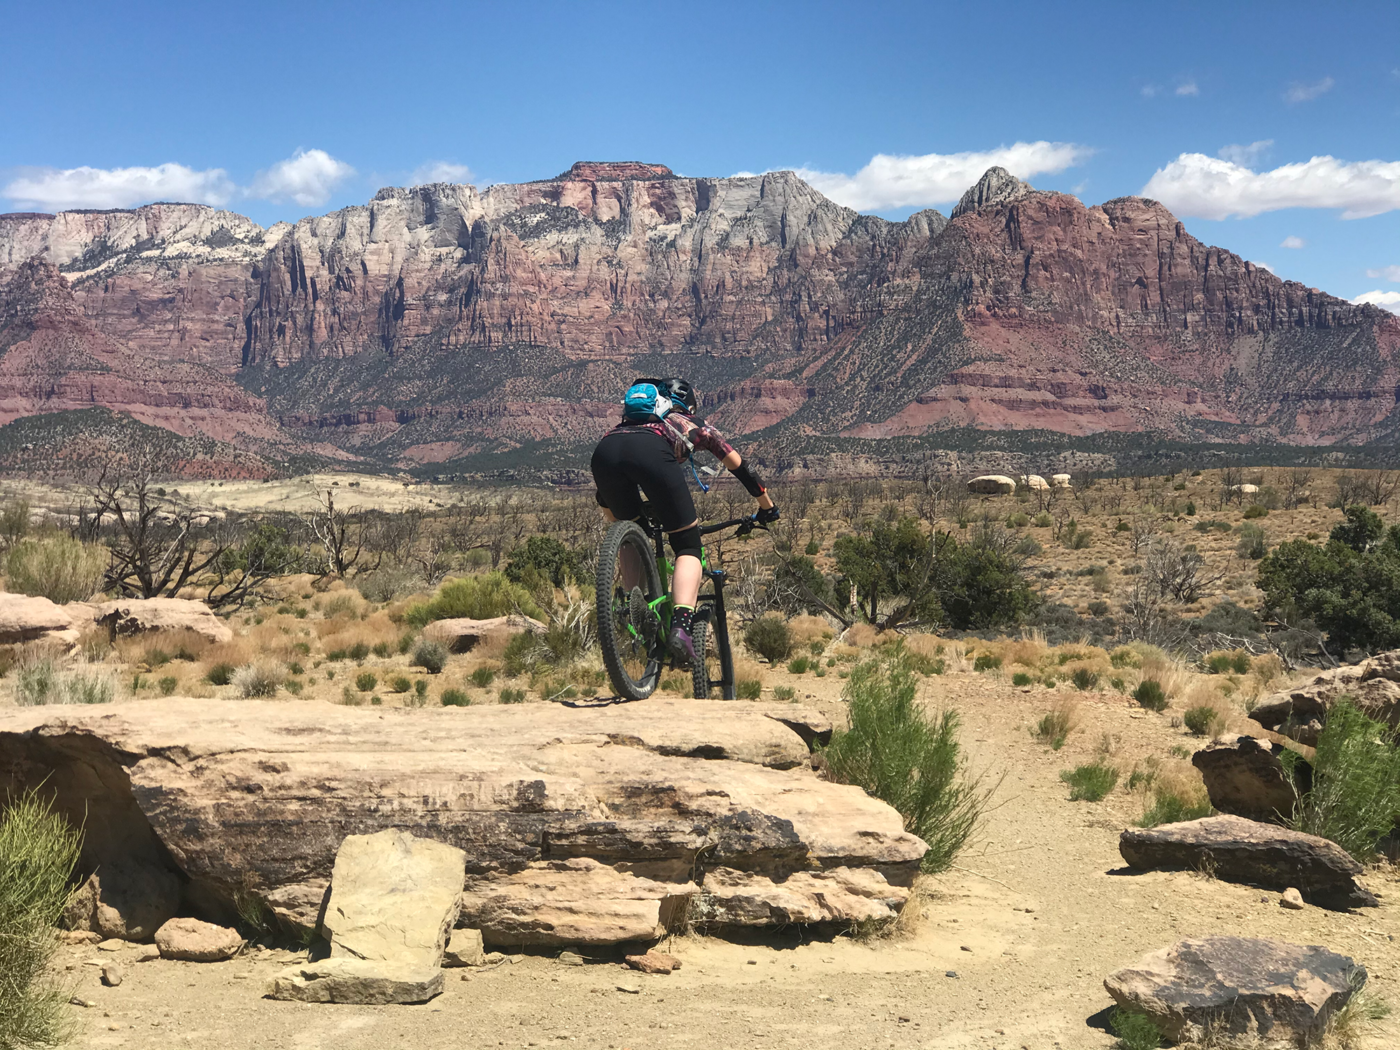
686,541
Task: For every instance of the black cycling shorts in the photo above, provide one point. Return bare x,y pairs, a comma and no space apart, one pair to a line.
643,459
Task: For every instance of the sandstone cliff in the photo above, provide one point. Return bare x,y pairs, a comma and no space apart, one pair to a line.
443,322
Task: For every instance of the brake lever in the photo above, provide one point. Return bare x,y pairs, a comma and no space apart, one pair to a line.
743,531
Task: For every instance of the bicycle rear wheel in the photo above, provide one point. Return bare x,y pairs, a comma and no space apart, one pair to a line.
628,626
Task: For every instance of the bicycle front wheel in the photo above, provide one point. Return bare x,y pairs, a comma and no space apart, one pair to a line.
704,671
629,627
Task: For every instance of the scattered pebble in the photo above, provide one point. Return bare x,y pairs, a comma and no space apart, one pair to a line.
1291,899
630,989
112,944
111,975
951,973
964,948
81,1002
571,959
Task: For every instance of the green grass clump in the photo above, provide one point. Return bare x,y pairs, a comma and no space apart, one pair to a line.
986,662
770,638
483,676
57,568
1150,694
38,850
1169,805
1091,782
365,681
1084,679
1055,726
899,753
1021,678
455,698
166,686
429,655
381,649
1355,795
474,597
1202,720
799,665
1135,1030
512,696
400,683
784,692
748,689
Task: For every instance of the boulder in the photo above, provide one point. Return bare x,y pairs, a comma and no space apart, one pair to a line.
654,962
992,485
1300,713
1060,481
26,618
581,826
1035,483
1244,776
394,897
139,615
1240,991
1240,850
1245,490
196,941
125,899
462,635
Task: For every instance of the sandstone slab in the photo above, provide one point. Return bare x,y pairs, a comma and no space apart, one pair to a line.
139,615
462,635
1242,991
1244,776
26,618
195,941
1300,713
348,980
1240,850
992,485
464,948
580,826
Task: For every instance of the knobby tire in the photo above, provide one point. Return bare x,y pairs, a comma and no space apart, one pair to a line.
614,613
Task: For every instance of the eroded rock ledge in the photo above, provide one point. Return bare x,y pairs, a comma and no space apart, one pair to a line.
580,826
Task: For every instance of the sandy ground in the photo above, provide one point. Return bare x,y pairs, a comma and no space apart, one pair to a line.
1010,952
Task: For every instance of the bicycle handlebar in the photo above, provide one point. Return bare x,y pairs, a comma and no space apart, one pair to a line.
746,525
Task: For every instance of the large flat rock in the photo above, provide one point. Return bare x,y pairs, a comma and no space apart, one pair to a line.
1300,713
1239,991
1240,850
579,826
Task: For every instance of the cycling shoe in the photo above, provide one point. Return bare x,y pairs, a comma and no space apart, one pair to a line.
682,646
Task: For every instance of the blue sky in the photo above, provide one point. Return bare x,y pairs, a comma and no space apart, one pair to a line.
280,110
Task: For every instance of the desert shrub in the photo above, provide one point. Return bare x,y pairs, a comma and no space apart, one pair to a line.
220,674
1254,510
1090,782
365,681
799,665
1043,520
1171,804
1124,656
257,679
57,568
1098,608
922,663
548,558
769,637
520,653
674,684
295,668
748,689
455,698
1135,1030
1202,720
400,683
483,676
475,597
1027,547
898,753
784,692
512,696
429,655
336,655
812,549
359,651
1080,539
1056,725
342,604
1017,520
42,681
405,642
1150,694
294,686
385,584
166,686
381,649
1020,678
1355,794
38,850
1190,508
816,648
1084,679
986,662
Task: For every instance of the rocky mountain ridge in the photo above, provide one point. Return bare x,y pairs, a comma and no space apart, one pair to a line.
443,324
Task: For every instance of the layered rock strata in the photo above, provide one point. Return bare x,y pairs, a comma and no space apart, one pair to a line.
580,826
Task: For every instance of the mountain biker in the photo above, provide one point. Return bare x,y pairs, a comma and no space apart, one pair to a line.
648,451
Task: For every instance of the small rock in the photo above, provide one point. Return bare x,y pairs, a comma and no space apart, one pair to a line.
81,1002
630,989
965,948
111,975
1291,899
654,962
753,962
148,953
571,959
464,948
492,958
194,940
111,945
79,937
951,973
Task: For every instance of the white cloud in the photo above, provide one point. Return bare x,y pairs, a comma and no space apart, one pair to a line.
1306,91
440,171
1188,88
1150,90
1245,155
1385,300
308,177
56,190
1293,242
1211,188
1262,265
937,178
1387,273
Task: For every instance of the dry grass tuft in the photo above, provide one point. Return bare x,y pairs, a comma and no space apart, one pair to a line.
746,670
860,635
807,629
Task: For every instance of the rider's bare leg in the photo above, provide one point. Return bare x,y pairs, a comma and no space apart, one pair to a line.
685,580
631,561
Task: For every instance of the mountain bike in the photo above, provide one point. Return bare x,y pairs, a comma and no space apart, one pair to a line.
634,611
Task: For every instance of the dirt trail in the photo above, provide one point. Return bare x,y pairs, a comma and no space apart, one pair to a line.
1039,902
